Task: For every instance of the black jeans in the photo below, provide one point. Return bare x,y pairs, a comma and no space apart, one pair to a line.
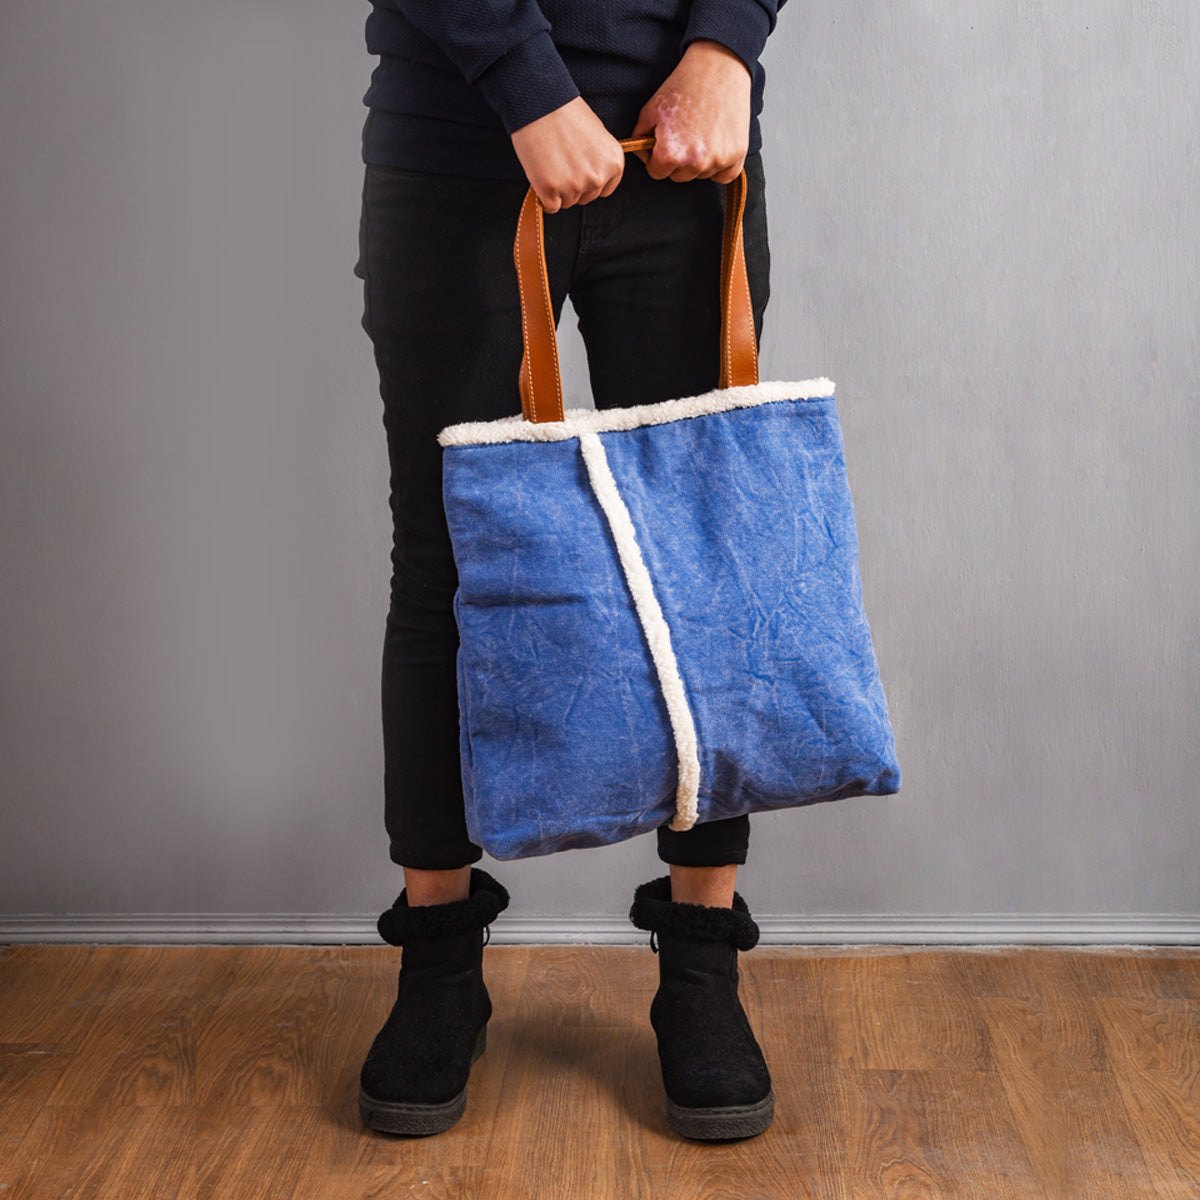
441,307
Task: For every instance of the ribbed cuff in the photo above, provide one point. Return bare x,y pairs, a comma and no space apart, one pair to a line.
708,844
527,82
742,26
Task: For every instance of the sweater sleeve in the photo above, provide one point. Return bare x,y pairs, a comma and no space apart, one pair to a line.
502,47
741,25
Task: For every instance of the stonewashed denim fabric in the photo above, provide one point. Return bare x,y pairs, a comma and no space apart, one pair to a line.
746,527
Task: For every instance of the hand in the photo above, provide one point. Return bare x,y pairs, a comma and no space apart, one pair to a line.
700,117
569,156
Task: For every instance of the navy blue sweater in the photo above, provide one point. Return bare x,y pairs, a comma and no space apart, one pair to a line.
456,78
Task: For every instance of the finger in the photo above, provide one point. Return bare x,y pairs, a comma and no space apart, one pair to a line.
644,125
661,167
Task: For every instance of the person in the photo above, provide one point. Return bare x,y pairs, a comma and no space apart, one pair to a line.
473,103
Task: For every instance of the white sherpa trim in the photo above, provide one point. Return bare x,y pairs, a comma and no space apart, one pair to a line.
577,421
654,625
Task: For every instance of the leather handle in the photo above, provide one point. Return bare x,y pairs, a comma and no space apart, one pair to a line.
540,379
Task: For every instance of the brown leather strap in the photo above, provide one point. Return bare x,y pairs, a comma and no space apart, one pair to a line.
540,379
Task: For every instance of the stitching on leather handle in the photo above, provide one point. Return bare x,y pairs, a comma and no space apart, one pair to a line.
753,339
545,274
526,355
729,248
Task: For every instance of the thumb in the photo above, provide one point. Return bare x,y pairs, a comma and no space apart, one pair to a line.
646,123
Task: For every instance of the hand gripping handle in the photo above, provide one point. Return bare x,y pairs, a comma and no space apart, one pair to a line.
540,380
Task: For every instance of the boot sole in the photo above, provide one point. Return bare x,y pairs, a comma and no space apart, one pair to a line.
398,1116
730,1121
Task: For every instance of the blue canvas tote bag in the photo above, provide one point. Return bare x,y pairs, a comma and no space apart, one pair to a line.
659,607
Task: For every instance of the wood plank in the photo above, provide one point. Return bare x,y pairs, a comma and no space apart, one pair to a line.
214,1071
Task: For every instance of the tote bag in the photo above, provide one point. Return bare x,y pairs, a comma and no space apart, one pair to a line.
659,606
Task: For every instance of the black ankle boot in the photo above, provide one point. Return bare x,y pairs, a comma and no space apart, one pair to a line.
716,1078
414,1078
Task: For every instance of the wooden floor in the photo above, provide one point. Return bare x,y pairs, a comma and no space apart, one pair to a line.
230,1073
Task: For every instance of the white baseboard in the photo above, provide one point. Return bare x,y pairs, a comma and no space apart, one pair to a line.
1099,929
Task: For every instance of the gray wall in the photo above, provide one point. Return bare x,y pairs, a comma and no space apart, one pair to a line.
985,230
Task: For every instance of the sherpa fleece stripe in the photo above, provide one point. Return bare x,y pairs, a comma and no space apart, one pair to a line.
654,624
577,421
